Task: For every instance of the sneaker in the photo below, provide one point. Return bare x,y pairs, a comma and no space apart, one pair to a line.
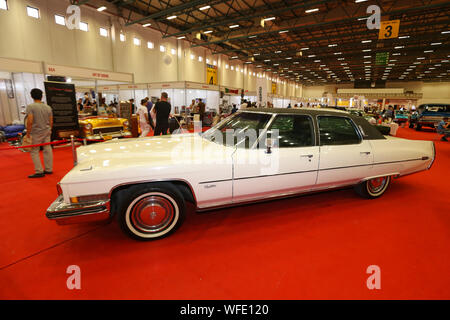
37,175
48,172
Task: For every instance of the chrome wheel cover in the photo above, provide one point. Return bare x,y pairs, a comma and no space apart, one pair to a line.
152,214
377,185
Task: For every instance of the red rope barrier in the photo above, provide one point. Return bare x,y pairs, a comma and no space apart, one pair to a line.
36,145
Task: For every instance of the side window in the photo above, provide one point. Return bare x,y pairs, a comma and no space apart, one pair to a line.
293,131
337,131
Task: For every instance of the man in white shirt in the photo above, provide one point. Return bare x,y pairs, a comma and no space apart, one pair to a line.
143,118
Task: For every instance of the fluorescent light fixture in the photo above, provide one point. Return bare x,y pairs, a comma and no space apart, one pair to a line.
367,50
365,18
421,58
146,25
312,10
33,12
102,8
332,45
171,17
396,54
340,59
235,57
269,19
103,32
315,60
436,43
445,32
205,7
403,37
311,56
303,49
289,58
251,37
399,47
284,31
366,41
206,32
182,37
60,20
256,54
233,26
279,51
428,51
337,53
267,60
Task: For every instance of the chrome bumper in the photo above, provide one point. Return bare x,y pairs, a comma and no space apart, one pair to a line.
64,213
112,135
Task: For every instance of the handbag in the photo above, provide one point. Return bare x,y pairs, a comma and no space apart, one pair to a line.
27,141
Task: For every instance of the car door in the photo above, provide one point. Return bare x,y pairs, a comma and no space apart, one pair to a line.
345,157
289,167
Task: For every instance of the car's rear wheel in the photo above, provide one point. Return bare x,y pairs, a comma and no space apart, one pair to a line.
151,211
373,188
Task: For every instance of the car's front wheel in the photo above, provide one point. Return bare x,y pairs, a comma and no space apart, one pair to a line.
151,211
373,188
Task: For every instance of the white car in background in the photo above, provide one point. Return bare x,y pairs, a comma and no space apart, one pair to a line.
146,182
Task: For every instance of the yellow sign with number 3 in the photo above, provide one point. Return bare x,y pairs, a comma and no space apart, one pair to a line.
389,29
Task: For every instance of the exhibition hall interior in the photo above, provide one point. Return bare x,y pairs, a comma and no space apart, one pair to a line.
224,149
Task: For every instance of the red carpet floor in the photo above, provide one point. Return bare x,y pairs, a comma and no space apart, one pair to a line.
312,247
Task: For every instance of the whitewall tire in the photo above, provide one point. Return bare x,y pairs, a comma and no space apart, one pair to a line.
373,188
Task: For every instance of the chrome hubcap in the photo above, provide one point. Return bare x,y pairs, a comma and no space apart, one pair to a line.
377,184
152,214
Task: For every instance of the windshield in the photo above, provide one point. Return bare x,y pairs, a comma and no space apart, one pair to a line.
242,129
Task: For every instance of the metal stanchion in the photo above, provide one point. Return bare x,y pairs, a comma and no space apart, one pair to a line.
74,151
85,141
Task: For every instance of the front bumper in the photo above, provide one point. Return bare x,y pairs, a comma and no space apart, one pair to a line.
107,136
64,213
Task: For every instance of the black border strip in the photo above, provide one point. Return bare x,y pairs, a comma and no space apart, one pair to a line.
326,169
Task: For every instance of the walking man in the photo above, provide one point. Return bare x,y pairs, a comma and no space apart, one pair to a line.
161,110
39,127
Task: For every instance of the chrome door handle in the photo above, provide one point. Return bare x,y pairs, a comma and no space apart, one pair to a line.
307,156
365,152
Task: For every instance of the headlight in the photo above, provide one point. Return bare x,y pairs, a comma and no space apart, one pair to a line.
88,126
126,124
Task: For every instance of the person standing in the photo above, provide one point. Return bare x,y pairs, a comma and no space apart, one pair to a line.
143,118
201,109
161,110
149,106
39,127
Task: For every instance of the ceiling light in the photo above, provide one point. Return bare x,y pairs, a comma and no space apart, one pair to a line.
332,45
279,51
366,41
399,47
445,32
421,58
284,31
268,19
235,57
267,60
146,25
396,54
289,58
436,43
171,17
311,56
102,8
304,49
205,7
182,37
256,54
206,32
403,37
367,50
233,26
252,37
312,10
428,51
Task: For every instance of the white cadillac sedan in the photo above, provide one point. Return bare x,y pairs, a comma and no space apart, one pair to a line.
253,155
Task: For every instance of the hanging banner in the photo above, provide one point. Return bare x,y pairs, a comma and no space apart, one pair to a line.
211,74
389,29
261,92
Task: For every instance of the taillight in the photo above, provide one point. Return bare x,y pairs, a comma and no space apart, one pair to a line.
58,188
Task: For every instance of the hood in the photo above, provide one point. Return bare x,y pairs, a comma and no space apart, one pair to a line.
143,156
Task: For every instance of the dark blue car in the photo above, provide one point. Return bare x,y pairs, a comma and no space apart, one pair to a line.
431,114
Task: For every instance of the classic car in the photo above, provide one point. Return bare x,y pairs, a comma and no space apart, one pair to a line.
431,114
103,127
253,155
401,116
